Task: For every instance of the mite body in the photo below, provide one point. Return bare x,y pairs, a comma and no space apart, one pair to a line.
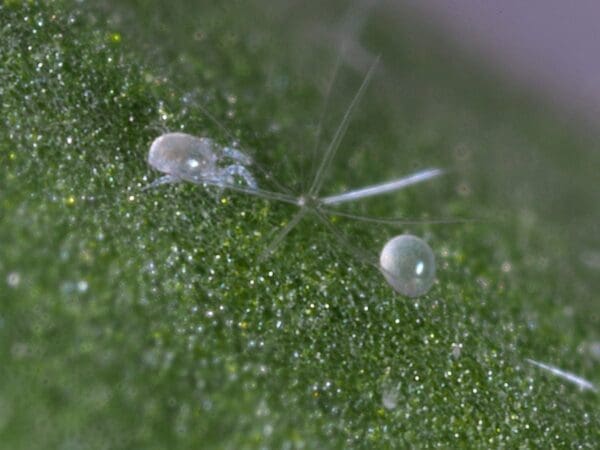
199,160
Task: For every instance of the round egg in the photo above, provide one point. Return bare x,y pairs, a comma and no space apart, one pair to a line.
408,264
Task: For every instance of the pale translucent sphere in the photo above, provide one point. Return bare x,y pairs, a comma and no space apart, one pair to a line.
408,265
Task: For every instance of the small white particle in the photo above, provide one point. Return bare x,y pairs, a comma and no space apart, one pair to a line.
389,398
13,279
456,350
82,286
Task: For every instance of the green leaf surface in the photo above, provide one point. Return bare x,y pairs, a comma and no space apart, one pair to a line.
146,319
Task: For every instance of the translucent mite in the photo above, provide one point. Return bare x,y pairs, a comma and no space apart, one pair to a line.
183,157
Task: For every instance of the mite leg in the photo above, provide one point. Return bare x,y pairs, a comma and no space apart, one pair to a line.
237,155
240,171
167,179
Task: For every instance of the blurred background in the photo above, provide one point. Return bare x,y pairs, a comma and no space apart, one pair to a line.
548,46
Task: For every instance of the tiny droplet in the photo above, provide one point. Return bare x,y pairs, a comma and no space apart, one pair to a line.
408,264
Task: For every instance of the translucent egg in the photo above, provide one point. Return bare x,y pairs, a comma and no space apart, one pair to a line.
408,265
